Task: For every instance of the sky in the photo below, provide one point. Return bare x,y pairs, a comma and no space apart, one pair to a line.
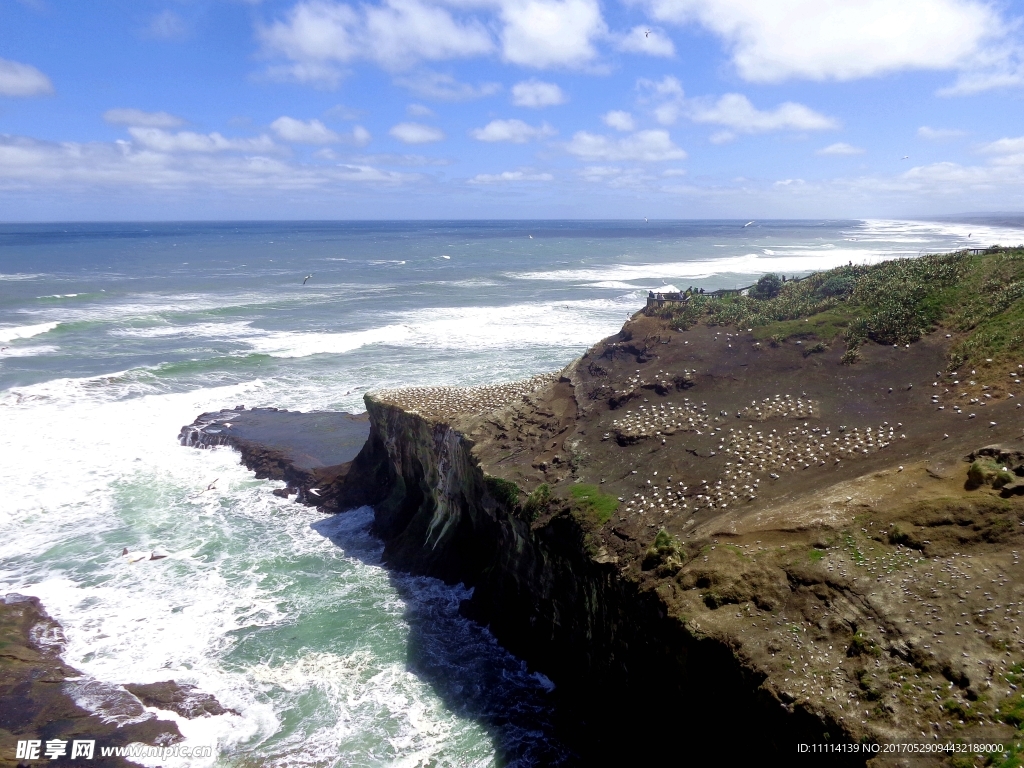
469,109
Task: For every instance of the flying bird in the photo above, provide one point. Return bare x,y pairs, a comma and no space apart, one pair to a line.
747,224
647,33
905,157
306,278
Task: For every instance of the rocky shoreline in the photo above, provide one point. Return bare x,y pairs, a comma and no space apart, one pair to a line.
821,601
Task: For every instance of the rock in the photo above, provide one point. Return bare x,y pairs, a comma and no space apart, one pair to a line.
185,700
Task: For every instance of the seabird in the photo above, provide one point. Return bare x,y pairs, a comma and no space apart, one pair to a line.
747,224
135,557
647,33
905,157
306,278
212,486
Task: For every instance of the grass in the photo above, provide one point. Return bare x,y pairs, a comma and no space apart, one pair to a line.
504,491
589,500
978,297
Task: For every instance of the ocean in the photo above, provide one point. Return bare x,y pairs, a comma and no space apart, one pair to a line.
113,336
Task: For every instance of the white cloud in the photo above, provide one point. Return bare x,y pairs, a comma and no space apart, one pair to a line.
441,87
737,114
509,176
316,35
360,136
513,131
299,132
646,146
167,25
142,119
17,79
29,164
840,148
939,134
841,39
419,110
550,33
536,94
186,141
416,133
669,92
619,120
647,40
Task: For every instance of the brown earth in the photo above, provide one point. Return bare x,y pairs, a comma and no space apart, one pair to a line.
881,592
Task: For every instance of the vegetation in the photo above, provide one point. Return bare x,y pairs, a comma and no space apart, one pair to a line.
537,502
978,297
504,491
590,501
768,287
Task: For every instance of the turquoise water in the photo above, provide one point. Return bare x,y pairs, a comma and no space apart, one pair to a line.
114,336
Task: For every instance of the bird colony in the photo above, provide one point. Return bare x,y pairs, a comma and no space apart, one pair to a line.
780,406
752,452
444,403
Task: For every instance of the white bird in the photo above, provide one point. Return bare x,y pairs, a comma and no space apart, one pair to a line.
530,236
306,278
747,224
645,220
905,157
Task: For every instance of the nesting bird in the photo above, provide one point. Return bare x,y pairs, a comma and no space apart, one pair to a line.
443,403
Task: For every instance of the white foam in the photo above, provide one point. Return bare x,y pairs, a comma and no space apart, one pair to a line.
10,333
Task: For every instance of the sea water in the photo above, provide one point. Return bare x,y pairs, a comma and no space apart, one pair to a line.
113,336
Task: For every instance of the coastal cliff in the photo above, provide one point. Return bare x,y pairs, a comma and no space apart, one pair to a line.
795,518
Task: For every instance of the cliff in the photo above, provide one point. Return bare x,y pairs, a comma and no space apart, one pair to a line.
793,531
793,519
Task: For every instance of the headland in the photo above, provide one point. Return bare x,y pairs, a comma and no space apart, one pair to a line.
742,524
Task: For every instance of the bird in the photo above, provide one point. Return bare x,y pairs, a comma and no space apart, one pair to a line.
212,486
645,220
905,157
647,33
531,237
306,278
747,224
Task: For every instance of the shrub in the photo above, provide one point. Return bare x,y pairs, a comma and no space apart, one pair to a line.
537,502
839,286
767,287
504,491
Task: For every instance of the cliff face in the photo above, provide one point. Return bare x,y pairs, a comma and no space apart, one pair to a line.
633,679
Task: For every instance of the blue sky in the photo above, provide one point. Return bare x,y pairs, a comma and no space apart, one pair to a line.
220,109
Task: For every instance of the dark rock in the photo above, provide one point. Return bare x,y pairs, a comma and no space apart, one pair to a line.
185,700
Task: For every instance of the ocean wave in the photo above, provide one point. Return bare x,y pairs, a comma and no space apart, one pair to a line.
11,333
197,330
572,324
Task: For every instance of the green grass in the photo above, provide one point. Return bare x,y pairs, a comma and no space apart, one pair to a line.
816,554
590,500
504,491
980,297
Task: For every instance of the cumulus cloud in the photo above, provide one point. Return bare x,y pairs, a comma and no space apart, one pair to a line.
550,33
17,79
509,176
649,41
142,119
646,146
513,131
316,35
840,148
735,112
300,132
939,134
416,133
442,87
536,94
816,40
619,120
666,94
419,110
186,141
29,164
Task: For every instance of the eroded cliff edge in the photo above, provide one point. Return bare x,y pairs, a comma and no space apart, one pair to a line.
796,520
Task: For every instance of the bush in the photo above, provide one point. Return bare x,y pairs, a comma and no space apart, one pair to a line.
768,287
537,502
505,492
839,286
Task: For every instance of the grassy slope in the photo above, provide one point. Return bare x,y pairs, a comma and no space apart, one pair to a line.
977,298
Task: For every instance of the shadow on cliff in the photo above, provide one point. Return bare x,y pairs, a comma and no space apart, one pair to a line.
460,660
